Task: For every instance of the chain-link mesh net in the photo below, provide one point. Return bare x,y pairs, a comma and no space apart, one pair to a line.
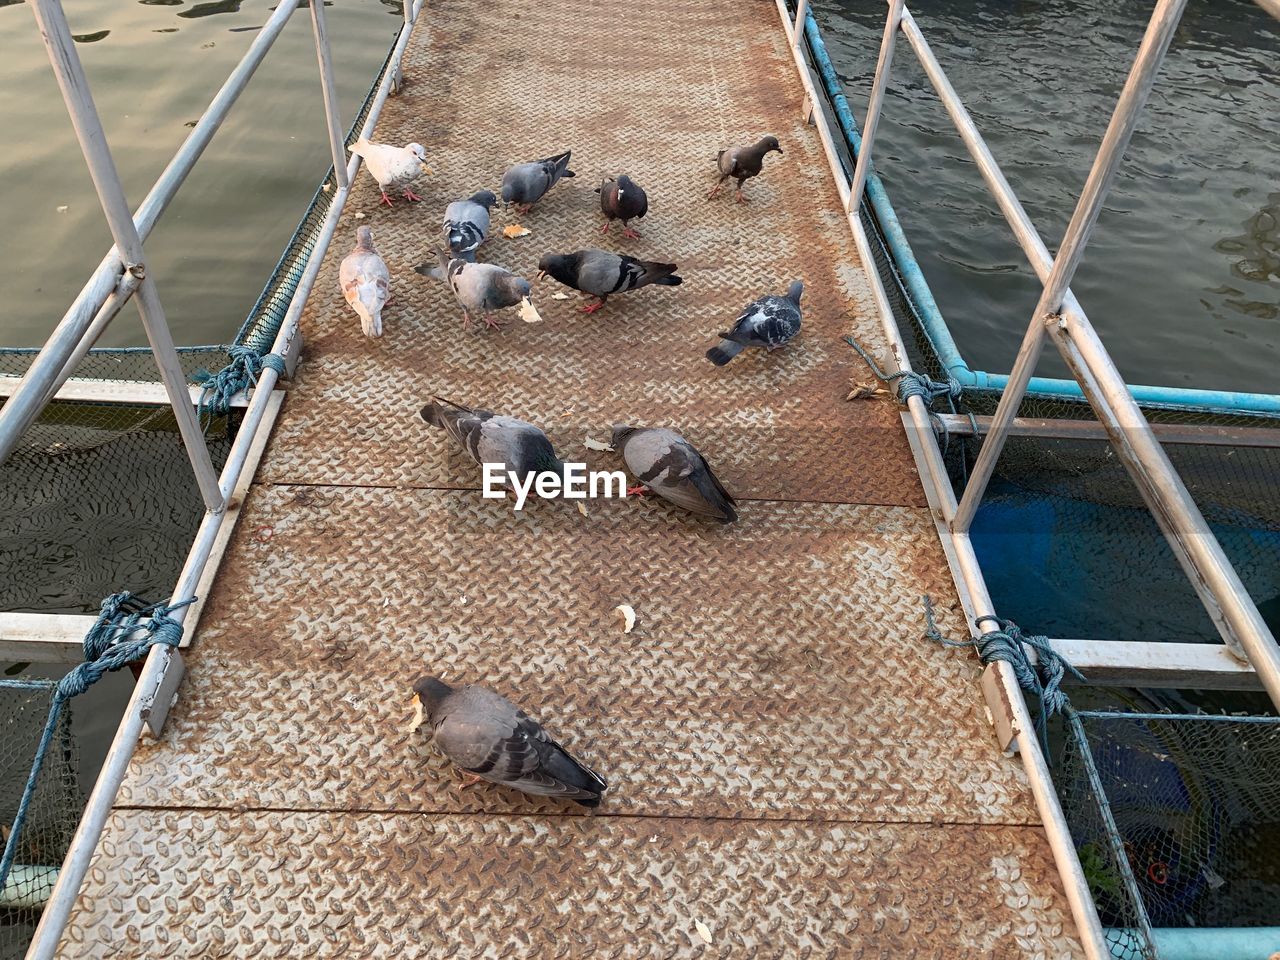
52,815
1176,820
98,497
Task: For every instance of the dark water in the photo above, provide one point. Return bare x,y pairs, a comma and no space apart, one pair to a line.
1183,276
153,66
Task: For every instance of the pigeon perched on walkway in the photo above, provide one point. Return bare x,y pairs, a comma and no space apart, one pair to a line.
466,224
526,183
479,287
492,739
769,322
601,273
489,437
742,163
669,465
365,282
622,199
395,168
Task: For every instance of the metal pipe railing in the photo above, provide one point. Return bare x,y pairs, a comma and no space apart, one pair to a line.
1075,886
31,393
98,807
337,142
878,87
79,327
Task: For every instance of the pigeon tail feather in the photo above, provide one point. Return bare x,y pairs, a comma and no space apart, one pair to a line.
724,353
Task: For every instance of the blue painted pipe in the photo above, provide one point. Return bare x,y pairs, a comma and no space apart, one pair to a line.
935,327
1204,943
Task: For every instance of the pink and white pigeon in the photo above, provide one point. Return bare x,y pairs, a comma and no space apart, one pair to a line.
366,282
395,168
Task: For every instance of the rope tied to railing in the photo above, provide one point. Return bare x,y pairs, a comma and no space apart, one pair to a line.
125,630
241,373
911,383
1008,643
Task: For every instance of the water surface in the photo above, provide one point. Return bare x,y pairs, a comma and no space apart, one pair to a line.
1182,278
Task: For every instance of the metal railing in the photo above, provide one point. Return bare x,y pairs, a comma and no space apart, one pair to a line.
1059,316
122,274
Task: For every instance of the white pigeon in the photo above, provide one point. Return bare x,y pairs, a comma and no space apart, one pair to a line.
395,168
365,282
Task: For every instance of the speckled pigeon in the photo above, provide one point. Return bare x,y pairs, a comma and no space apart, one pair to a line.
489,437
526,183
769,322
601,273
742,163
466,224
492,739
622,199
669,465
365,282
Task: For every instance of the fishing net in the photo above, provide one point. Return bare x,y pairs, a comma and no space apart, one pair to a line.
52,815
1173,818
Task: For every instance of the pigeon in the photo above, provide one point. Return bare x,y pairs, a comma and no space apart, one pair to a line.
526,183
365,281
466,224
479,287
489,437
769,322
601,273
743,163
622,199
395,168
492,739
667,463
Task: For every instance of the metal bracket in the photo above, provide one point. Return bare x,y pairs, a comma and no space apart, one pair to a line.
155,709
293,354
806,111
999,710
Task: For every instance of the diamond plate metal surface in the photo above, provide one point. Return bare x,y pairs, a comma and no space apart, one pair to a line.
776,668
789,763
330,885
658,100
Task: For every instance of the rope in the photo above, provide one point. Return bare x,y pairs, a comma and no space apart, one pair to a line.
911,383
240,374
124,631
1008,643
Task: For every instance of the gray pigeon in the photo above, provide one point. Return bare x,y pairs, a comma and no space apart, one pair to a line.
466,224
769,322
670,466
491,738
622,199
526,183
479,287
365,282
489,437
601,273
742,163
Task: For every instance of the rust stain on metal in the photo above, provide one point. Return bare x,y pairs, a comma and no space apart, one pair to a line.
774,706
334,885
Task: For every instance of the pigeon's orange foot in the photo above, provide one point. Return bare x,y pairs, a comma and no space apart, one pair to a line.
741,198
466,320
607,224
593,307
637,491
493,323
410,196
715,192
385,199
468,779
630,233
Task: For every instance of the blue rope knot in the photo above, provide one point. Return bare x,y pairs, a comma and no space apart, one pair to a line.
911,383
241,373
126,629
1008,643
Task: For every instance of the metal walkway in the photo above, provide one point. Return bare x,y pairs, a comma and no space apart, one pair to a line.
789,764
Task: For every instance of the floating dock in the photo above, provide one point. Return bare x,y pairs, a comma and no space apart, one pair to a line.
793,771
